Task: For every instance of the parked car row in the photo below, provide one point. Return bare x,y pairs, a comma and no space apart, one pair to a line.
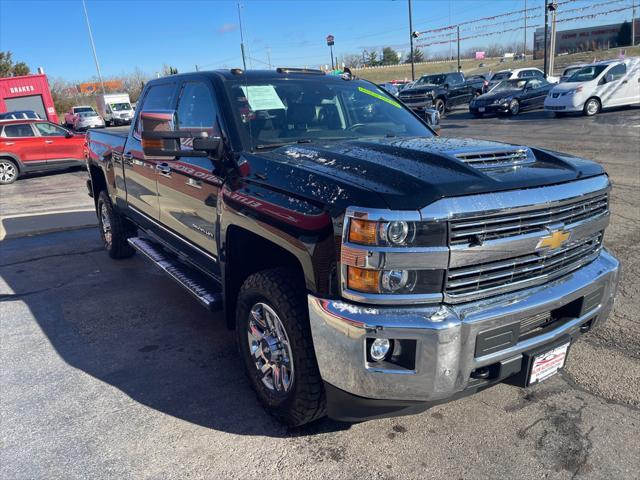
113,109
586,88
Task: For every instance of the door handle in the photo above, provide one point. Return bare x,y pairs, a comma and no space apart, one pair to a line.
624,81
192,182
48,141
163,168
9,143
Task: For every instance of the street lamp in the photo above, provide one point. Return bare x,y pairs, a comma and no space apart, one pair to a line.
330,42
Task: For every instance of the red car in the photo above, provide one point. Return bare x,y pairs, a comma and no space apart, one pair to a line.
37,145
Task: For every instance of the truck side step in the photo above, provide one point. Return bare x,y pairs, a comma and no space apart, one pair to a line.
197,283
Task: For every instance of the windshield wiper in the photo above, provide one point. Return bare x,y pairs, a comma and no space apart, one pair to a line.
283,144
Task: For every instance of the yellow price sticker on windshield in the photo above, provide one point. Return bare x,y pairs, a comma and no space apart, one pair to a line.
379,97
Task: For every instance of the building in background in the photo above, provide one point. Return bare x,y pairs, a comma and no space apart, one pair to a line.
28,92
583,39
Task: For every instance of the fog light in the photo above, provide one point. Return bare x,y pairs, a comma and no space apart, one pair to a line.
380,348
395,280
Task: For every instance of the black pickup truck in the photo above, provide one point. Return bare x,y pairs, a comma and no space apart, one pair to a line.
441,91
369,267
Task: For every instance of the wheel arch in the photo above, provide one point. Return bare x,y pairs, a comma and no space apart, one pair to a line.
98,181
15,159
245,253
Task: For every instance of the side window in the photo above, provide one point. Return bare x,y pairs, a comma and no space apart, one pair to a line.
618,71
159,97
19,130
49,130
454,79
534,83
524,74
196,107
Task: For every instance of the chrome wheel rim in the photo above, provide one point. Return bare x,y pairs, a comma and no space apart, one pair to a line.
7,172
106,224
514,107
592,107
440,107
270,348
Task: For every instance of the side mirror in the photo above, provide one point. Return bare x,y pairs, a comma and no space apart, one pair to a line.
608,78
446,85
161,139
68,135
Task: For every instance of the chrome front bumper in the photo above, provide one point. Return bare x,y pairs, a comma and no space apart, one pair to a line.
446,335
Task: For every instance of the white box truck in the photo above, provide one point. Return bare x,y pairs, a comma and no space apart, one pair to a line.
115,108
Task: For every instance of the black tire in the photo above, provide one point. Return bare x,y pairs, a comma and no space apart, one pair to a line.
477,114
514,107
9,171
440,106
592,107
280,290
114,235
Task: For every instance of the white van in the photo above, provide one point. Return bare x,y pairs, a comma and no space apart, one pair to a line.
612,83
115,108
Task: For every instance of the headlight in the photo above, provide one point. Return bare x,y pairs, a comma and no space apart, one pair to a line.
504,100
574,91
397,233
395,255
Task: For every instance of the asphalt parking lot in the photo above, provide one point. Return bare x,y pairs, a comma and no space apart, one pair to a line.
108,369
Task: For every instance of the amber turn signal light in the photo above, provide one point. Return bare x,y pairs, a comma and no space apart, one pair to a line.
363,280
363,232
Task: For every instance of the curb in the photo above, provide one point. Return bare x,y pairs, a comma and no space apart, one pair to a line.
26,225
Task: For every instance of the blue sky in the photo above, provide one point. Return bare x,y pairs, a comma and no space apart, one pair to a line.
183,33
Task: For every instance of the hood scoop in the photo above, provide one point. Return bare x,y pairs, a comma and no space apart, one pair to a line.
497,158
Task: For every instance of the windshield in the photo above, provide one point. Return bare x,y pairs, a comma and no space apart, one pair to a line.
82,109
501,76
571,71
283,111
118,107
516,84
88,114
586,74
431,80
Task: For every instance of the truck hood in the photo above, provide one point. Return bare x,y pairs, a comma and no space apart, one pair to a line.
412,172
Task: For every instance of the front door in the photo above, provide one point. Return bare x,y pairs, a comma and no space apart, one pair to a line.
21,139
188,187
60,148
614,88
141,172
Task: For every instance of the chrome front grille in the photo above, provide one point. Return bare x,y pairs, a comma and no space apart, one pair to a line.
521,271
489,227
498,159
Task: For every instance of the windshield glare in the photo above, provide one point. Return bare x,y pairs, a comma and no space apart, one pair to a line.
277,112
586,74
82,109
431,80
510,85
118,107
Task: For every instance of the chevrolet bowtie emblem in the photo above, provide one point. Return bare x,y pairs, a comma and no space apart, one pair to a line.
554,240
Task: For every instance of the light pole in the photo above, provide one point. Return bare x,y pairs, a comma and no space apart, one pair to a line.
411,36
93,47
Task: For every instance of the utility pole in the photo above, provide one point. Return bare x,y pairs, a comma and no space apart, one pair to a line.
93,47
330,42
546,37
269,57
197,68
458,33
633,22
552,49
411,33
244,61
524,45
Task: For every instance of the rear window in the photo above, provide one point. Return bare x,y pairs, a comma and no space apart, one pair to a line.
501,76
19,130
